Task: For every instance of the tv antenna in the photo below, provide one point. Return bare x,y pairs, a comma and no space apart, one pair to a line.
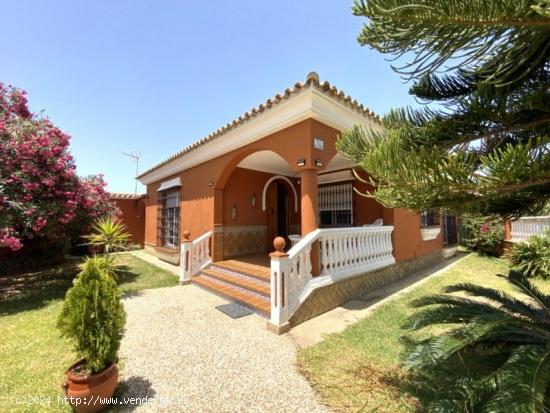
135,155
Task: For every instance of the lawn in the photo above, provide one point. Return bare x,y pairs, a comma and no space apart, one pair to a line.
33,357
358,369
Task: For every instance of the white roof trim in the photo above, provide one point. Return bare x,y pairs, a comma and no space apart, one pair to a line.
172,183
306,104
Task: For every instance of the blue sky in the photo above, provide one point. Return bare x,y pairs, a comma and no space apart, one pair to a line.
153,76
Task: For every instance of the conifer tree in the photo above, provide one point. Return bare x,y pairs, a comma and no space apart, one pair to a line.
481,140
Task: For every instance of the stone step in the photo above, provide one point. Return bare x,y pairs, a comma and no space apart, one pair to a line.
239,280
254,301
251,270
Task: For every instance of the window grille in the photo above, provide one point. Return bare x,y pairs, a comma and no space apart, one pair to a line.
336,205
429,218
168,219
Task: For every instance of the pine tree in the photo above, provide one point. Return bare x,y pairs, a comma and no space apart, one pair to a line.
481,140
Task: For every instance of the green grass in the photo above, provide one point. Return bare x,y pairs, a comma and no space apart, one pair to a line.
358,369
33,356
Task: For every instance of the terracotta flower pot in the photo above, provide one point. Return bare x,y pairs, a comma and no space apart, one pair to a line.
90,393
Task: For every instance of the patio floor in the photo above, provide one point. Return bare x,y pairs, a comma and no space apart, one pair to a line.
179,350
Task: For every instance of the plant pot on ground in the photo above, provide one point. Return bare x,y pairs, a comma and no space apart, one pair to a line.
93,319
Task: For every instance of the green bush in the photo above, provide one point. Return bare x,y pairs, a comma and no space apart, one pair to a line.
482,234
93,316
533,257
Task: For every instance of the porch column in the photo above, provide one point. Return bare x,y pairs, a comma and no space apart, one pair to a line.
217,235
310,212
507,230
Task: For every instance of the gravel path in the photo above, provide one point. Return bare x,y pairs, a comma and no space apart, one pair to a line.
188,356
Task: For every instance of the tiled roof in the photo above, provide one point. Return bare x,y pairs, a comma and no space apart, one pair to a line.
118,195
312,80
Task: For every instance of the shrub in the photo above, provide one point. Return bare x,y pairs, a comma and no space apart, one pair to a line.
482,234
40,193
93,316
109,235
533,257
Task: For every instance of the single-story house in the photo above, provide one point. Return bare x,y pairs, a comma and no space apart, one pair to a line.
216,207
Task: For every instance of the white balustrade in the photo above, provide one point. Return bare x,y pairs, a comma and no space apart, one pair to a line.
343,253
526,227
195,255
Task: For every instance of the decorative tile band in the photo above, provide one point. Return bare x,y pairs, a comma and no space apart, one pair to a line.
242,240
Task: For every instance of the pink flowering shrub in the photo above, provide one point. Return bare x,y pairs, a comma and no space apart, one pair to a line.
482,234
40,193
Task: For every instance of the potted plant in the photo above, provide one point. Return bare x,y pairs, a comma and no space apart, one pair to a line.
93,319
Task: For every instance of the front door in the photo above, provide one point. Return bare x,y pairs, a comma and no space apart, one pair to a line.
277,213
450,230
282,211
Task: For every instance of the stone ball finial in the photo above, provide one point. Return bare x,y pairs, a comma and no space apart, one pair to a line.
279,244
186,235
313,77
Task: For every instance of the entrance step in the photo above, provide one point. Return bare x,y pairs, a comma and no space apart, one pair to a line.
257,302
239,280
250,270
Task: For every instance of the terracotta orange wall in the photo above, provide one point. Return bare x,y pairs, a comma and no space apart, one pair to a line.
407,240
202,204
196,204
151,215
133,216
365,210
238,191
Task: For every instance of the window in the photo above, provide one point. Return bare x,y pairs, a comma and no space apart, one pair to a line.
429,218
168,219
336,205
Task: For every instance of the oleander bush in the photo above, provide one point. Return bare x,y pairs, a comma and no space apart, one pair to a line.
482,234
41,196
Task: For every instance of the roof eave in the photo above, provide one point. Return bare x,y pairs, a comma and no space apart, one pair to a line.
315,100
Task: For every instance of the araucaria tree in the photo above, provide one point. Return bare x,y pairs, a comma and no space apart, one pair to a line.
40,194
481,142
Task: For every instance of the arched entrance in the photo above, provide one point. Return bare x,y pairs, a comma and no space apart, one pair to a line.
279,201
255,200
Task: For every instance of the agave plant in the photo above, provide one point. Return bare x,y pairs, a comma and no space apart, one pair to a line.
109,235
495,354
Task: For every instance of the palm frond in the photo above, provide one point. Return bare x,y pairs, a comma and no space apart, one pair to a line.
523,382
522,283
503,300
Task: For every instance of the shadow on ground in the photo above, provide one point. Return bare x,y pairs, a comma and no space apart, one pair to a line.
398,286
132,393
34,289
446,387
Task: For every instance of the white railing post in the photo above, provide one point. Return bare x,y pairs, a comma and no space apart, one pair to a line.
186,258
280,271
